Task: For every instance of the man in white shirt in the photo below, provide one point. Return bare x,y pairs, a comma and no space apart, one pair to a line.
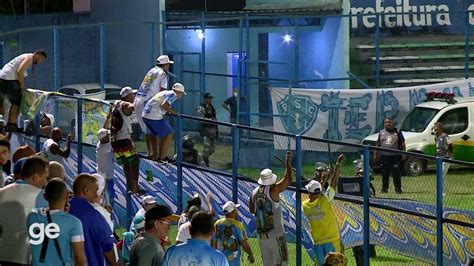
153,116
12,81
148,202
105,161
156,80
52,149
183,230
17,200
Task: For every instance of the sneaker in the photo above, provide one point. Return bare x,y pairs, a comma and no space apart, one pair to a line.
398,191
162,161
169,160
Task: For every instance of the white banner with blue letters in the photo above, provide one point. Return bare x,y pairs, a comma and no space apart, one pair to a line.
349,115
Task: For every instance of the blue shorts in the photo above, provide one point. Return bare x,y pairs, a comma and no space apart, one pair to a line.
159,128
321,250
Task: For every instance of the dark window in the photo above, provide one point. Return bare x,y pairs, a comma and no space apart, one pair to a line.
69,91
455,121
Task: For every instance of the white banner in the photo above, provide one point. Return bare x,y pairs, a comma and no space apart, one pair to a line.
349,115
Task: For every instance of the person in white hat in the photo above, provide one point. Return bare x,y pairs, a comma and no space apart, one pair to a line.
230,237
153,116
105,160
266,208
156,80
322,219
148,202
121,136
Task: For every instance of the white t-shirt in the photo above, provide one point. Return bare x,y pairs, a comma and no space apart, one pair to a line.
153,109
155,79
8,72
183,232
52,157
140,212
105,160
16,202
105,213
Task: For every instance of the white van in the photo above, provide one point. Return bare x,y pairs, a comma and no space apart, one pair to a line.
457,117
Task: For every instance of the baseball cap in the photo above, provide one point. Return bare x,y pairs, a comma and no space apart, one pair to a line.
179,87
102,133
229,207
208,95
126,91
314,187
49,116
160,212
148,200
164,59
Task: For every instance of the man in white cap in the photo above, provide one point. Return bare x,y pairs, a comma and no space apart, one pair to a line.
148,202
153,116
121,136
105,160
230,237
265,206
318,210
156,80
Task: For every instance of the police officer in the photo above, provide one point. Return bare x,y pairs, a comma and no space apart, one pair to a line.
390,163
208,131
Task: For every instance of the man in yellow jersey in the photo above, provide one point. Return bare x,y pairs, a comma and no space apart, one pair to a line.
318,210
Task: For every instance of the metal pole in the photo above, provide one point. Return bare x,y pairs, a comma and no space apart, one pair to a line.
179,161
102,56
240,66
299,164
377,51
1,52
152,56
235,162
439,211
247,55
466,46
203,57
129,207
79,135
37,133
366,225
55,58
297,58
163,32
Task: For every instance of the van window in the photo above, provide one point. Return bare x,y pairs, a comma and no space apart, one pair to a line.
455,121
418,119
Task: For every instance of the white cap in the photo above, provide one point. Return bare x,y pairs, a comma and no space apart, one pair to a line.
163,59
314,187
50,117
148,200
179,87
126,91
267,177
229,207
1,119
102,133
100,182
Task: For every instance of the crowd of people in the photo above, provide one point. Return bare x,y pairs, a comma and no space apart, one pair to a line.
50,225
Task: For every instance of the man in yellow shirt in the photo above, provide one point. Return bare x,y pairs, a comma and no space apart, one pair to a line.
318,210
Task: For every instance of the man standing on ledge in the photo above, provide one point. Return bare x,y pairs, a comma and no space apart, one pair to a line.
12,82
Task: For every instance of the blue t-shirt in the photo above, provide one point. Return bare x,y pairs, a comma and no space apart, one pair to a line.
70,230
194,252
229,234
97,234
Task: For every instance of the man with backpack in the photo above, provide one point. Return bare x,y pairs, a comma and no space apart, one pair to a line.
265,205
121,135
390,163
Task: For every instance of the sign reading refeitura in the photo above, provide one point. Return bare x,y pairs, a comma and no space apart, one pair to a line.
411,14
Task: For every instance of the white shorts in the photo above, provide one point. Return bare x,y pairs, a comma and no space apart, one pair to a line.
274,250
139,105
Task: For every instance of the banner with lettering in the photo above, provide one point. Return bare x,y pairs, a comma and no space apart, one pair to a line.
349,115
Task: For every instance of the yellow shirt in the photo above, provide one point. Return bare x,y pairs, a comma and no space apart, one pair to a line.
321,218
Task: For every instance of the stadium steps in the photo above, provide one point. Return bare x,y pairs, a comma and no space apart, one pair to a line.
425,69
394,46
434,57
423,81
